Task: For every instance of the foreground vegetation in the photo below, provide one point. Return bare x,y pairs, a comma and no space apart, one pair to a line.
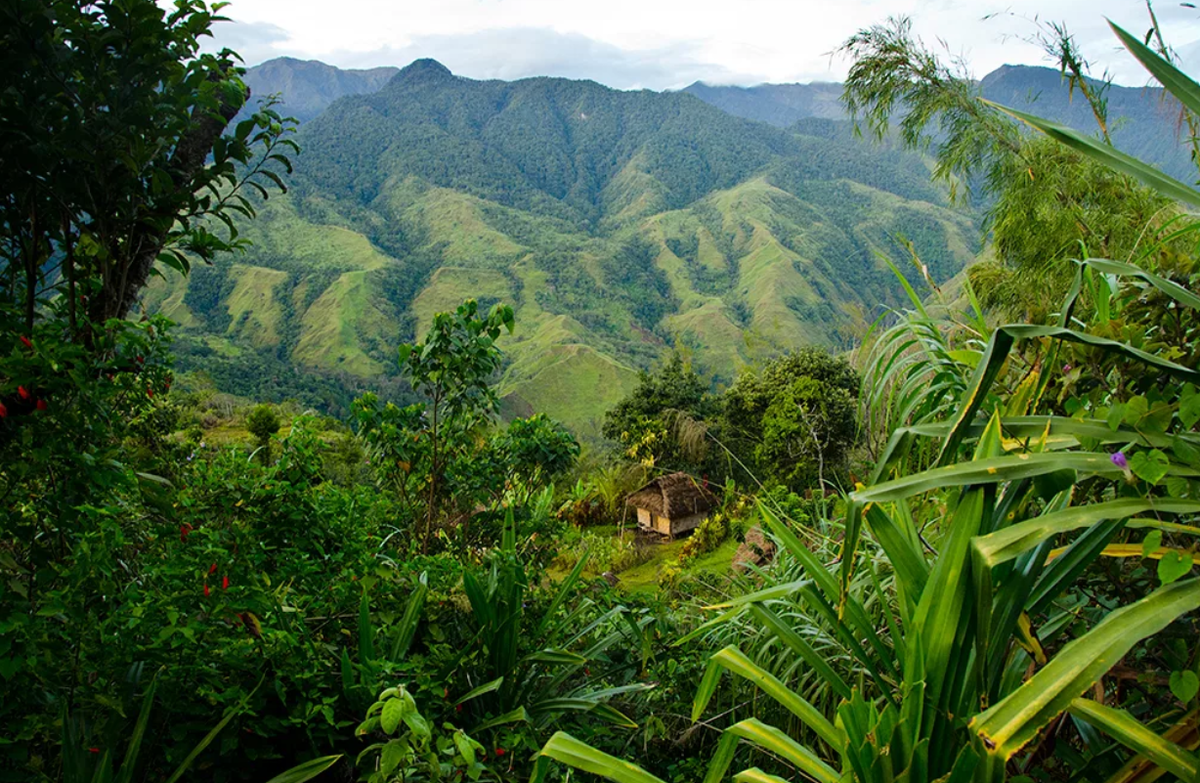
966,551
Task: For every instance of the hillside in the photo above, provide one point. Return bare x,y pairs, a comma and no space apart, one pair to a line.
617,223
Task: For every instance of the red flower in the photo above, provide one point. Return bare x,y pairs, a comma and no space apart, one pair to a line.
225,583
28,344
206,589
212,569
500,751
184,529
3,411
21,390
139,359
149,392
41,405
90,750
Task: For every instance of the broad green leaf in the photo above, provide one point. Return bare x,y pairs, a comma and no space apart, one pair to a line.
392,715
1168,287
411,619
722,757
186,764
366,633
555,658
1141,769
1184,684
1000,345
756,775
1150,466
1174,565
1189,408
1121,726
1152,542
565,748
769,594
1015,720
519,715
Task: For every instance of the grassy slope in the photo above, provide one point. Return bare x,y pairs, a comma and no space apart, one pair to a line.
572,227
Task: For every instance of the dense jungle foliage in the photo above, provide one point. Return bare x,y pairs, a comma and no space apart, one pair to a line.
963,551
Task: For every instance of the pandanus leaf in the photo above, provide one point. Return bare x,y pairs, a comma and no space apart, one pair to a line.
1015,720
1131,733
565,748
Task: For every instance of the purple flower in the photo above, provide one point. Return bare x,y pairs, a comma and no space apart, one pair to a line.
1066,369
1119,460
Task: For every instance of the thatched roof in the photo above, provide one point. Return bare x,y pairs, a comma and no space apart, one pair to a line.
673,496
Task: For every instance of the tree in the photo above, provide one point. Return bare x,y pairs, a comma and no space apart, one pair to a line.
114,151
1045,202
662,418
452,367
262,423
794,421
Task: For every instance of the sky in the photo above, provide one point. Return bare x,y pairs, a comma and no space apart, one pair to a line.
668,44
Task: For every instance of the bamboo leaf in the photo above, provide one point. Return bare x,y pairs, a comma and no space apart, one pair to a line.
1171,78
1109,156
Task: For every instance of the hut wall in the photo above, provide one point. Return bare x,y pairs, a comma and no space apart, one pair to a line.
645,519
685,524
662,525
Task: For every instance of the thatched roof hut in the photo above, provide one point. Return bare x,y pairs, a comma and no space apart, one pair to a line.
672,504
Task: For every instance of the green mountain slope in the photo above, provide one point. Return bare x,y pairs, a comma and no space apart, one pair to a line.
618,224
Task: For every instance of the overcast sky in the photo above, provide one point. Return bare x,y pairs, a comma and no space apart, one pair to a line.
664,44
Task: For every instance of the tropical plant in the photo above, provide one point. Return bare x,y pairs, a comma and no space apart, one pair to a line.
411,751
536,672
262,423
966,652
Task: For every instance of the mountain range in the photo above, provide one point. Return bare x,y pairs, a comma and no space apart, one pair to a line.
618,223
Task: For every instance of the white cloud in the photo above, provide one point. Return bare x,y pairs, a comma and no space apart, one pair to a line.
670,43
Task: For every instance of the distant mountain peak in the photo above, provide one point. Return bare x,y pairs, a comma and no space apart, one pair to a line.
425,69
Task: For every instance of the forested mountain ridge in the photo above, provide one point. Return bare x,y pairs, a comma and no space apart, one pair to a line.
1142,123
307,87
617,223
